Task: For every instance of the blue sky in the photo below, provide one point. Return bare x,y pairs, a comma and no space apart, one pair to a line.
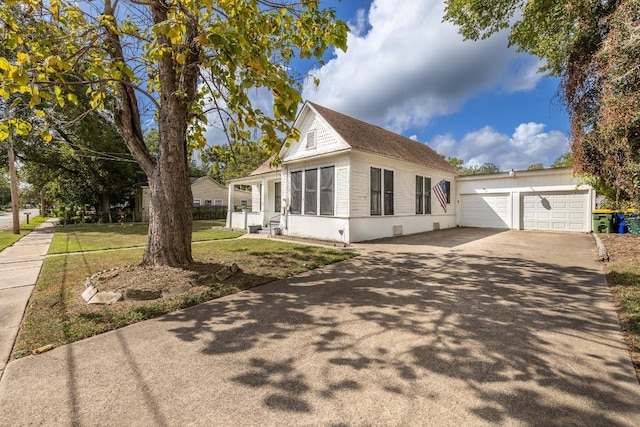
409,72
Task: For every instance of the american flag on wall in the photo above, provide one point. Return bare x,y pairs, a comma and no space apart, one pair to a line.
440,191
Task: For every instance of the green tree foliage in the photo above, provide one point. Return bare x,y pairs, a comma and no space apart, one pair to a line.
178,61
486,168
536,167
564,161
235,161
594,46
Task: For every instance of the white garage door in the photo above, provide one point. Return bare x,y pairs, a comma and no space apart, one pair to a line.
560,211
484,210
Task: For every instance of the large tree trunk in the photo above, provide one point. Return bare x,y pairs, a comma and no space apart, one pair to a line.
14,185
170,216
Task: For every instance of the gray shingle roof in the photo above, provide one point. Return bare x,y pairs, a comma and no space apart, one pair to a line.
373,139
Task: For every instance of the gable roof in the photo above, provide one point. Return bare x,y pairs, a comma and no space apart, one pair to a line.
376,140
195,181
265,167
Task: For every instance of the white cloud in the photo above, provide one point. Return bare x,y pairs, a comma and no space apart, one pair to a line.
410,67
529,144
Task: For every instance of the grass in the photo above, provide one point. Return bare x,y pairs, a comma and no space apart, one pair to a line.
7,238
57,315
623,275
94,237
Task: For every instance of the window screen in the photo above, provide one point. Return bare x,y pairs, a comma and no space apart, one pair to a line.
311,192
376,191
296,192
427,196
388,192
419,194
277,194
326,190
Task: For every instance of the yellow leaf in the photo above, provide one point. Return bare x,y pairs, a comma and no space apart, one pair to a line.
72,98
4,93
180,58
4,131
23,128
22,58
4,64
35,100
46,136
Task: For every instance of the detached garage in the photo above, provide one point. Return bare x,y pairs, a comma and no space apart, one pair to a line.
549,200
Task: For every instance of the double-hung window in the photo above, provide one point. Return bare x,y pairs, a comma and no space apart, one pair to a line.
376,191
382,196
423,195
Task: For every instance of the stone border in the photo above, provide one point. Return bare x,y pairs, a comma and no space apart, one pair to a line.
603,254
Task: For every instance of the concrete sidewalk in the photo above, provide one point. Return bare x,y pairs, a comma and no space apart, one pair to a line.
19,269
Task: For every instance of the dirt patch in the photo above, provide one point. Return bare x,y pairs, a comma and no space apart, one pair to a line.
170,281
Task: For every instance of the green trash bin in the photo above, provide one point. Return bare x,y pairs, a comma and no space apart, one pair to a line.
602,220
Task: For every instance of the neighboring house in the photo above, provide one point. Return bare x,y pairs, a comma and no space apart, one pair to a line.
347,180
205,190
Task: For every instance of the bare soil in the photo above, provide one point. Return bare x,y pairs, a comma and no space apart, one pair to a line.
170,280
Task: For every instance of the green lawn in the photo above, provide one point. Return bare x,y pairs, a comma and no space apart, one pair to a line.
93,237
7,238
57,315
623,275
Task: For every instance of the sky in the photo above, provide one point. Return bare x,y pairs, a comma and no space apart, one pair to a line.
407,71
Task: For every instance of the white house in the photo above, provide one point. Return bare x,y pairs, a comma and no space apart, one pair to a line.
347,180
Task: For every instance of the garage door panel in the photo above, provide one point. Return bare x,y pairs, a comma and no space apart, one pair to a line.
557,211
484,210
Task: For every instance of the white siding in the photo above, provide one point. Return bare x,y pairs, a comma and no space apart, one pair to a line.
326,139
404,185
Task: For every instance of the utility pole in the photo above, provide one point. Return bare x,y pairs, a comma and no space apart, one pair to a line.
14,184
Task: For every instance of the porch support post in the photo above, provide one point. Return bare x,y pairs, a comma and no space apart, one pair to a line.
264,199
230,206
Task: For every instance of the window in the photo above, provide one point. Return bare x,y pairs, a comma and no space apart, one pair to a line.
326,190
376,191
311,139
217,202
207,202
196,203
244,202
388,192
296,192
311,192
427,196
277,194
423,195
419,194
447,191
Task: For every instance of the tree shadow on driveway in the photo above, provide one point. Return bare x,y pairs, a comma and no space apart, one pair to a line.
418,339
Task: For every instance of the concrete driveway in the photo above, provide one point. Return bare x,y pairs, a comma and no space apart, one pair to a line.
456,327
